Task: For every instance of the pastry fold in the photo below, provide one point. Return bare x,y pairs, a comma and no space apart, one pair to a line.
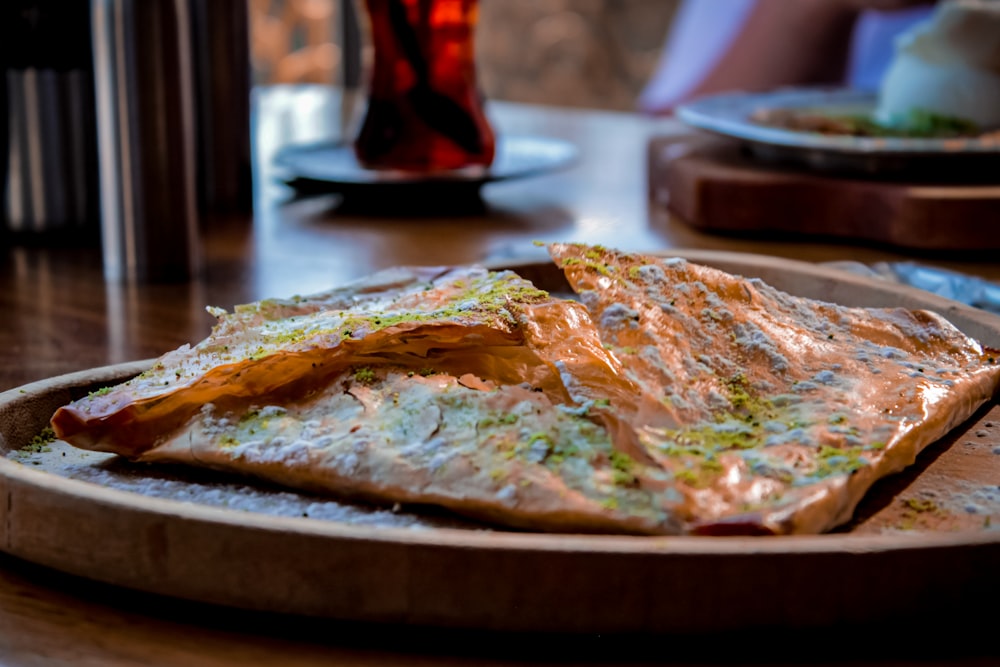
670,398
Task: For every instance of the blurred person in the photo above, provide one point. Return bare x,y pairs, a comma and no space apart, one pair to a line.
757,45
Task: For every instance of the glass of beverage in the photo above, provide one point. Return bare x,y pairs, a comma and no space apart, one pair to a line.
425,111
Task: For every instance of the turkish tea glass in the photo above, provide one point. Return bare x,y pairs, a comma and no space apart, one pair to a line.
425,110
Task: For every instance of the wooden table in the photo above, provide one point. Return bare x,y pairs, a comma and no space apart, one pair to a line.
59,315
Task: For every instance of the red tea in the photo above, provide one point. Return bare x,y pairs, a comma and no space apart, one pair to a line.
425,111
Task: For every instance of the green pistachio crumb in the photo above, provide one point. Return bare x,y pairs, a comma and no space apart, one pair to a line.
921,505
711,465
622,478
621,461
41,442
687,476
364,375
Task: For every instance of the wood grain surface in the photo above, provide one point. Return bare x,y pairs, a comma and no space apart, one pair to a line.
60,316
474,579
714,185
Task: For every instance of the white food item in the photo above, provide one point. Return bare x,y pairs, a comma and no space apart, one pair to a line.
948,65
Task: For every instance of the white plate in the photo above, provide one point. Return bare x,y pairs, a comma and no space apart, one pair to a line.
730,115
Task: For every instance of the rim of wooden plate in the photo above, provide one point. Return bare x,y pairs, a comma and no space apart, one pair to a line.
506,581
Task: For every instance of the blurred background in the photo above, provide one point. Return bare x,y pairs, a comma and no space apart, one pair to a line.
577,53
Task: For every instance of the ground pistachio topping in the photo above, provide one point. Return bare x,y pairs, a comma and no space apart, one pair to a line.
670,398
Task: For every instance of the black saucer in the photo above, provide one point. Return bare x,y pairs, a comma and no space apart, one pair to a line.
331,168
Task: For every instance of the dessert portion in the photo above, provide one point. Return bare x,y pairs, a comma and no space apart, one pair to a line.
948,67
671,398
913,123
773,413
462,320
943,83
501,453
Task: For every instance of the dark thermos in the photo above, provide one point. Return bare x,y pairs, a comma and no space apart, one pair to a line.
48,153
173,96
146,139
125,122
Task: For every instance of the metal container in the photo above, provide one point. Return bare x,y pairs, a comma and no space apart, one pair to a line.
222,75
144,74
48,151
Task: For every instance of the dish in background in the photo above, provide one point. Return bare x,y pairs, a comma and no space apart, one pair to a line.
732,115
947,65
331,168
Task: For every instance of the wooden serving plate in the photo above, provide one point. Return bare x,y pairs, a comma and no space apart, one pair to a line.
714,185
923,543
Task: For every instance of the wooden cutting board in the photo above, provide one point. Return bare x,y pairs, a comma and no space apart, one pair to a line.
713,184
